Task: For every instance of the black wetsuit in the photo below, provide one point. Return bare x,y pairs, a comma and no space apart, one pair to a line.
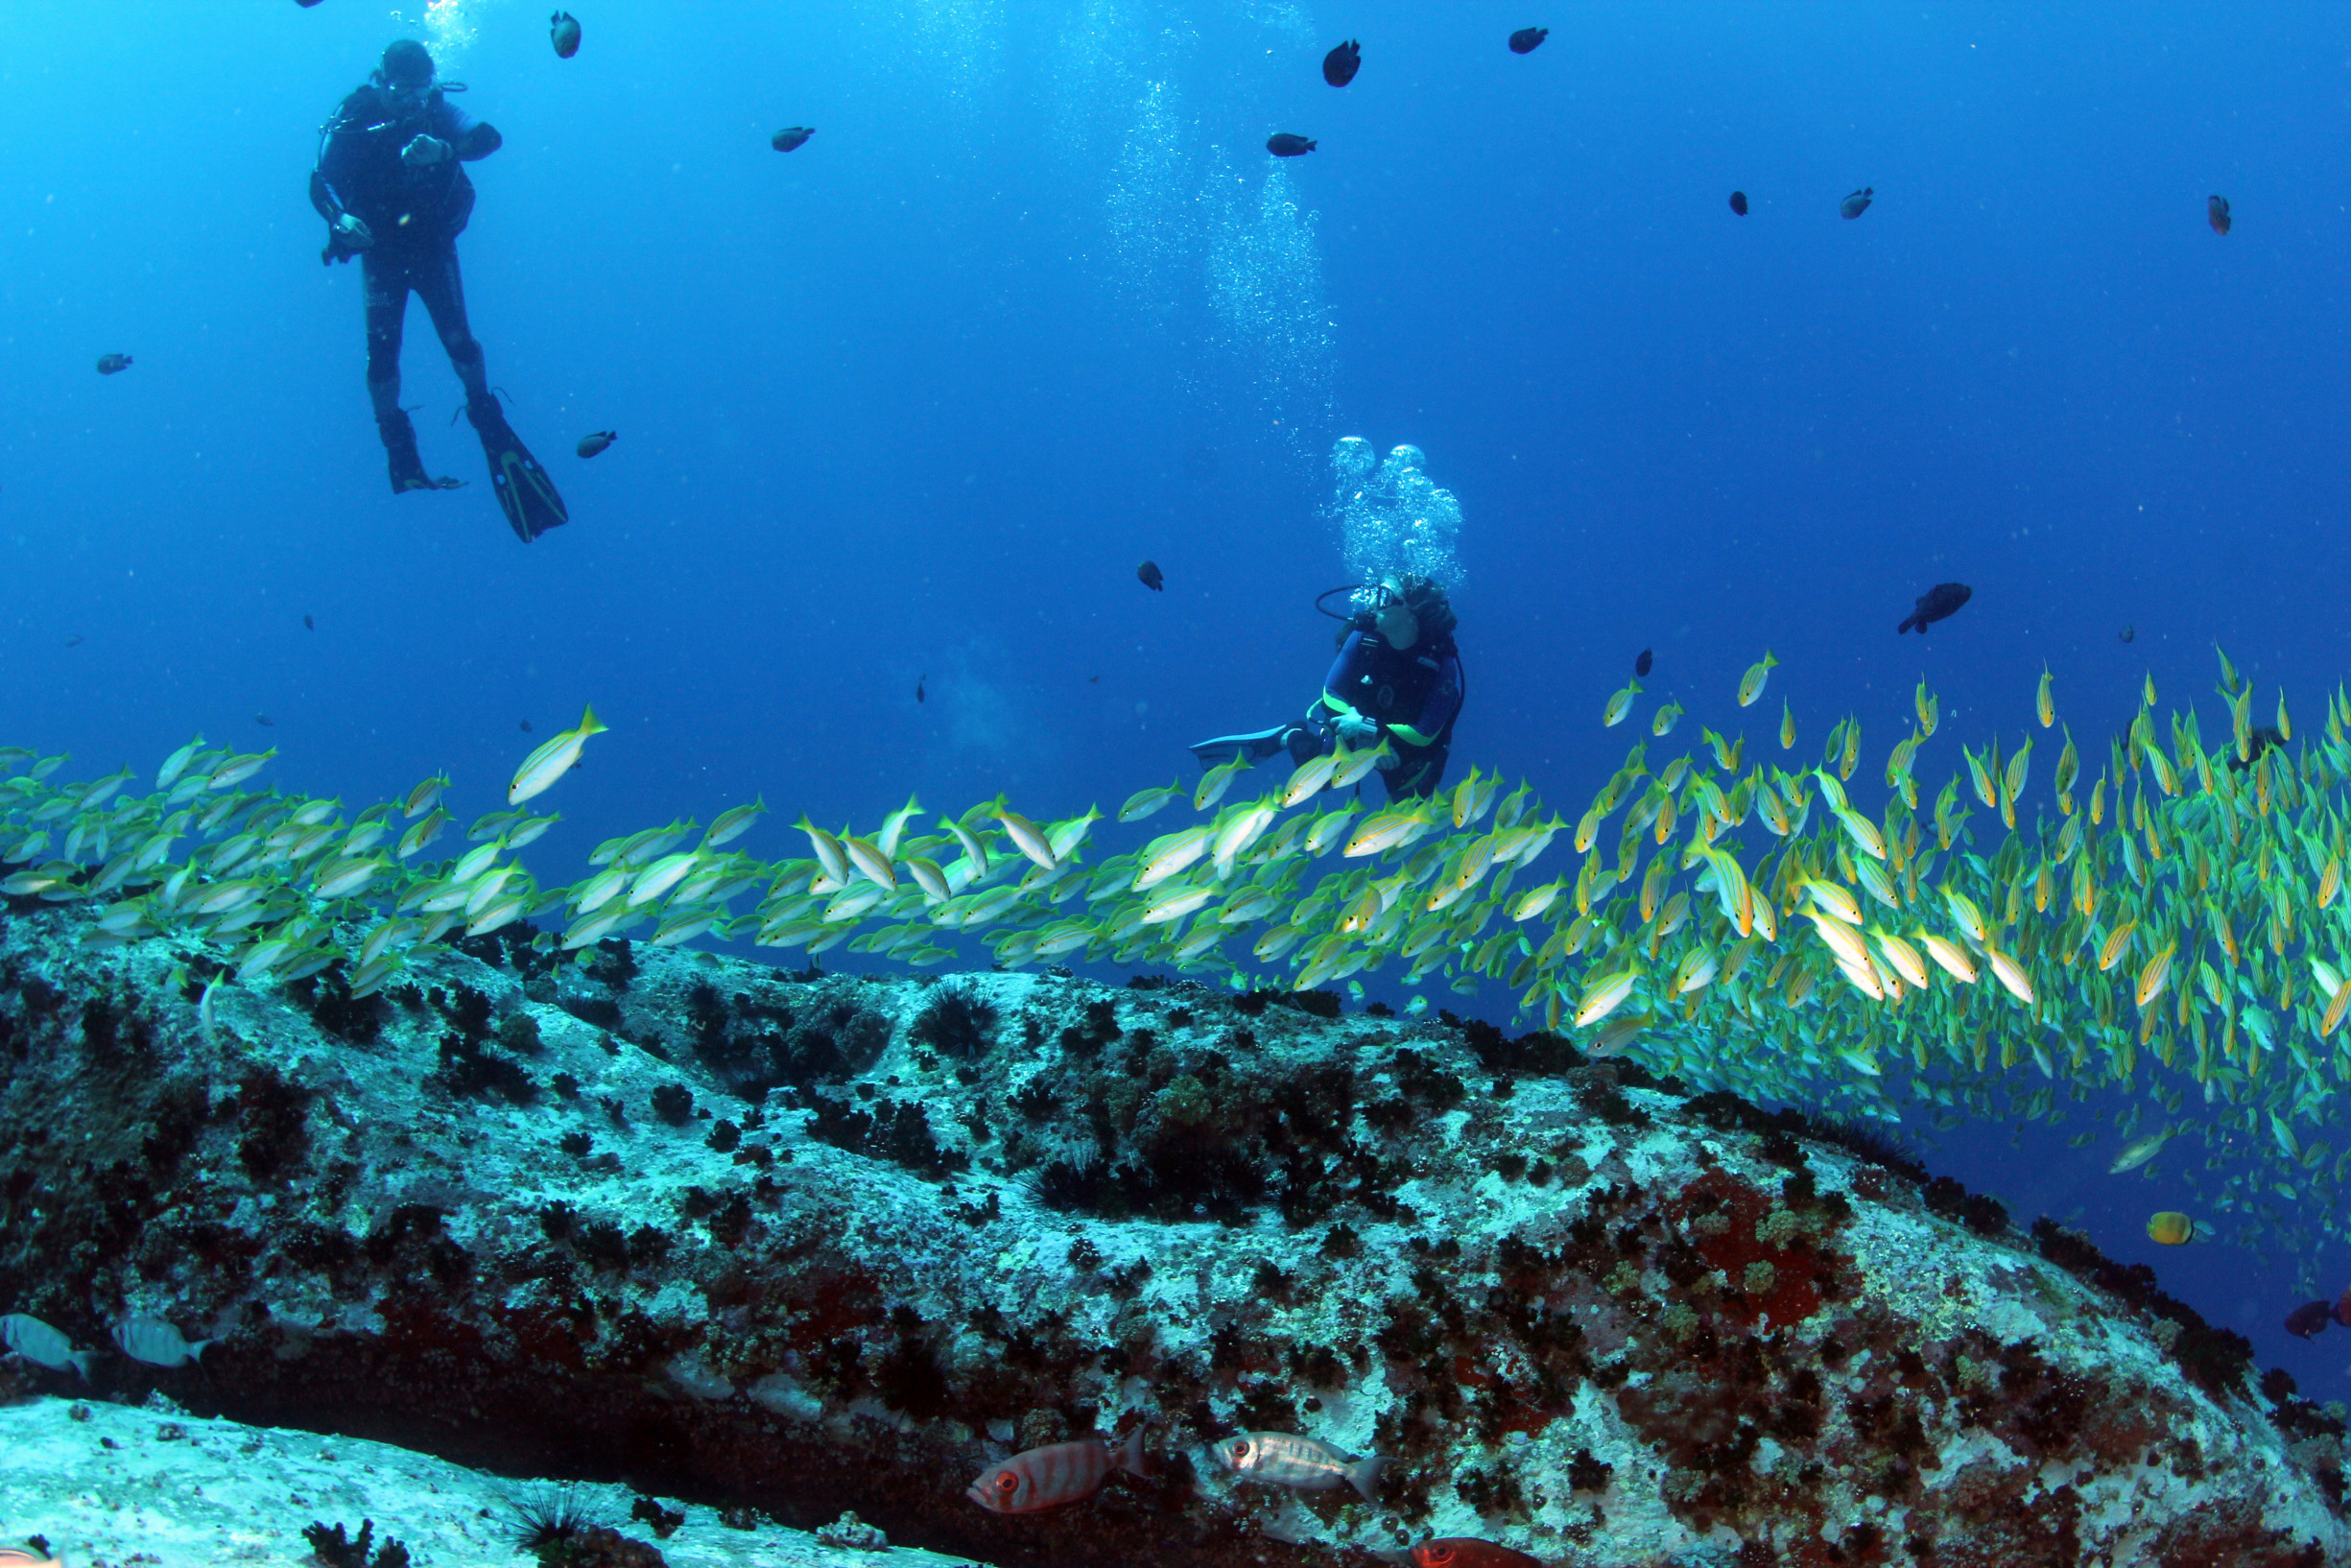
1414,695
416,215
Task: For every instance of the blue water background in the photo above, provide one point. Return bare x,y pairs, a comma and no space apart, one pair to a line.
912,402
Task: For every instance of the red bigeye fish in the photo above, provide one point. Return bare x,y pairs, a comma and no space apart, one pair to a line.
2308,1318
1056,1474
1468,1552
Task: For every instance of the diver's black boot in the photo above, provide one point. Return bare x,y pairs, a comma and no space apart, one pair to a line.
525,492
400,446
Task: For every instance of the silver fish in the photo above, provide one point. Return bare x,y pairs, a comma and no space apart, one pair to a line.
156,1342
1288,1460
37,1343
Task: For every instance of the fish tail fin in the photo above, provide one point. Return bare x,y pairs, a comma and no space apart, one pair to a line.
80,1361
1130,1457
590,724
1363,1475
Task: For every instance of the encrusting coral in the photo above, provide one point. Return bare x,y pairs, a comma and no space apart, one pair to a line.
1578,1309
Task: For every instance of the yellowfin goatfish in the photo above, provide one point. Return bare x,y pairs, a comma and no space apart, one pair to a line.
553,760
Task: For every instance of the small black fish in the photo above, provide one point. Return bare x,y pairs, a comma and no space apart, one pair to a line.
1939,602
1525,40
305,3
790,137
526,726
2309,1321
1641,665
265,721
565,31
1853,205
1149,575
1283,145
113,364
2131,633
918,693
309,625
74,641
1738,202
2215,213
1340,66
2260,738
1093,680
596,442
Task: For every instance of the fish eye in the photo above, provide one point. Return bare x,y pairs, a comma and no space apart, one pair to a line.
1240,1449
1006,1481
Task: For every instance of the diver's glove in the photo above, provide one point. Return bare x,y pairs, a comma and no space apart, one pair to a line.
1388,764
424,152
345,237
1356,732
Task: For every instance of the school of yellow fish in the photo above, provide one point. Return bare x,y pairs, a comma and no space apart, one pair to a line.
2176,929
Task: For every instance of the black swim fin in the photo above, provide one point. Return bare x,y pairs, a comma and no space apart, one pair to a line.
525,492
1256,746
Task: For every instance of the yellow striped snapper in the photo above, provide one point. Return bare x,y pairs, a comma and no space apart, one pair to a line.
1149,802
1216,781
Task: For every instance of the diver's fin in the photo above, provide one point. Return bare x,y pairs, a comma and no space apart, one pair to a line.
1256,746
525,492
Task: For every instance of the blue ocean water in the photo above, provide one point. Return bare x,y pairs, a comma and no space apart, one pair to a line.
906,406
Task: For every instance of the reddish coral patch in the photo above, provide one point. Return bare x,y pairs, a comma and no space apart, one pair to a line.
1793,1294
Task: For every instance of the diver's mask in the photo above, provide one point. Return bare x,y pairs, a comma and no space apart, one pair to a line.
1392,617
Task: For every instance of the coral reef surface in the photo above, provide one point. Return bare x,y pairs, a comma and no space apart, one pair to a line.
806,1245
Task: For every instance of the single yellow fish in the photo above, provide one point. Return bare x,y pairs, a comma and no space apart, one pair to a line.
1752,684
1148,803
2139,1153
1787,726
1620,704
1667,717
550,762
1216,781
2042,704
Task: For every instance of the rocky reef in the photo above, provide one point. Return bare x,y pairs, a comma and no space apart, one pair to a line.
802,1244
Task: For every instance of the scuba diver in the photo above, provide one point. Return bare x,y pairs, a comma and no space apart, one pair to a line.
390,185
1398,674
